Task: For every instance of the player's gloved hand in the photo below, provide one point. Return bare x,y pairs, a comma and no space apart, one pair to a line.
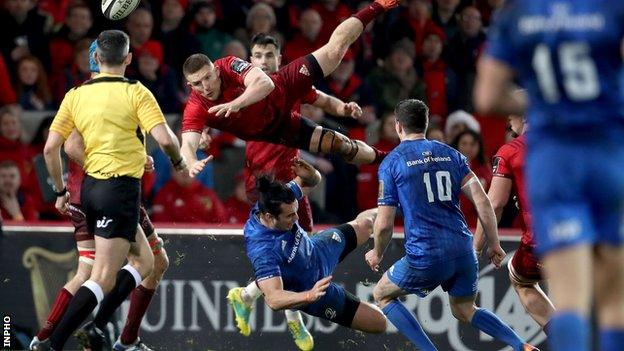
149,164
373,260
496,254
224,109
205,139
318,290
198,166
352,109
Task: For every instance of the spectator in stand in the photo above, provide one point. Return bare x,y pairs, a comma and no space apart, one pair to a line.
235,48
7,93
12,147
397,79
33,92
486,8
463,51
76,73
414,23
56,8
237,205
140,26
458,122
470,144
307,38
178,43
24,32
445,16
77,27
347,85
185,200
15,203
434,132
440,80
367,183
260,19
211,40
158,77
333,12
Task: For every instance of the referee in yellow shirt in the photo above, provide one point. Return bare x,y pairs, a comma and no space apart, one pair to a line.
111,113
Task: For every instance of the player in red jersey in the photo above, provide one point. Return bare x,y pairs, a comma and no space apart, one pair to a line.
233,96
524,267
85,242
276,159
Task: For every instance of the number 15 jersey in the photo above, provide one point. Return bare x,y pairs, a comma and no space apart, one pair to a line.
425,177
567,55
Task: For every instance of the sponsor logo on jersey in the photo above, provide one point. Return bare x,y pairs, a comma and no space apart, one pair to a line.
239,65
495,163
330,313
336,237
304,70
381,190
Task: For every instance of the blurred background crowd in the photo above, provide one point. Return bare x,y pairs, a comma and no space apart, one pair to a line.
426,49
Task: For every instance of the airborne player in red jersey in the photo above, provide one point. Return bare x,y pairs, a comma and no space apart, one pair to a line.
524,268
233,96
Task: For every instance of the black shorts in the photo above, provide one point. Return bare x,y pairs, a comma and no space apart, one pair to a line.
111,206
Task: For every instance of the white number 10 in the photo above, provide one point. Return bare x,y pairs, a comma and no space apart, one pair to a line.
443,183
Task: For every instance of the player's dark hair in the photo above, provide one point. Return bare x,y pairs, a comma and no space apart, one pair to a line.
272,194
477,136
264,39
113,47
194,63
413,115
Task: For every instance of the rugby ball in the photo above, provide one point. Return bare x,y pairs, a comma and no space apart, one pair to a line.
118,9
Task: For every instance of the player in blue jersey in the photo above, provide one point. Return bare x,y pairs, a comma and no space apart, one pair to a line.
293,270
426,178
567,55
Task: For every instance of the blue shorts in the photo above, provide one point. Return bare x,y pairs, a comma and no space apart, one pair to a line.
337,305
576,191
458,276
334,245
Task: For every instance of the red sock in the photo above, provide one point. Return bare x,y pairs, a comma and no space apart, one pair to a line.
369,13
139,301
57,312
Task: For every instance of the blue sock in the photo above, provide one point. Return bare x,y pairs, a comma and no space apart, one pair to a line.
568,331
488,323
612,340
407,324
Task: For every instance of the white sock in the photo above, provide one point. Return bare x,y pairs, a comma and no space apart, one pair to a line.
293,316
251,293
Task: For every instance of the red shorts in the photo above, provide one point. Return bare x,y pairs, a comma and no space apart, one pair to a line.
292,83
525,267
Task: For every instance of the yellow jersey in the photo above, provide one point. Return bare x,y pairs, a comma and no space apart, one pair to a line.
111,113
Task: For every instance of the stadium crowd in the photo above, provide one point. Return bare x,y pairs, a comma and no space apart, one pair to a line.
425,50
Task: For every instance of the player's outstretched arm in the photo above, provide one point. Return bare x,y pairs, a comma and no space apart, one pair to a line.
382,234
306,176
471,187
257,86
278,299
494,92
190,144
336,107
52,156
499,193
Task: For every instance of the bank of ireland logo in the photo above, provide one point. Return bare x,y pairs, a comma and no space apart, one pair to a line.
330,313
